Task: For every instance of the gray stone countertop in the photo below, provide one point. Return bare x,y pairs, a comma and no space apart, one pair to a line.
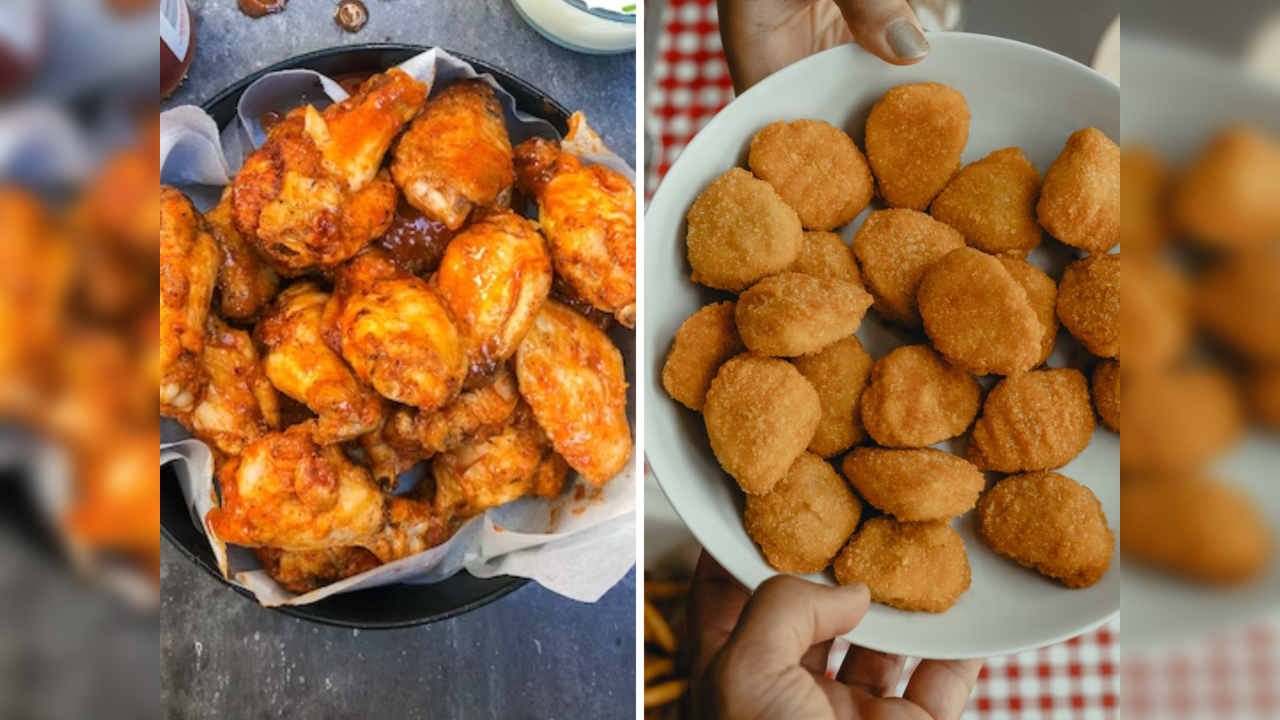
532,654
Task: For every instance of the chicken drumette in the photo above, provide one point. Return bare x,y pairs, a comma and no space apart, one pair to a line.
188,272
302,571
456,156
313,195
588,214
302,366
238,404
395,332
246,282
494,277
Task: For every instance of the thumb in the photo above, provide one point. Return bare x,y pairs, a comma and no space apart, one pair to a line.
887,29
787,616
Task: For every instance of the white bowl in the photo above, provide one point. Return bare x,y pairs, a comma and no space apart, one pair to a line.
1018,95
575,27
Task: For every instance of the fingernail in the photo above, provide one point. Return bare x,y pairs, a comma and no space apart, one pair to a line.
906,40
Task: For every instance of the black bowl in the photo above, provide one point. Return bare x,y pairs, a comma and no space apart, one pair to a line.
392,606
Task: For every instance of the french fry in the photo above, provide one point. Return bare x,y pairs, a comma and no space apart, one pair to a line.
656,667
666,589
665,693
662,634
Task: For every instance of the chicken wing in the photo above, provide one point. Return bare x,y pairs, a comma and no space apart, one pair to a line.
494,278
302,366
246,282
302,571
395,333
412,527
287,492
456,156
313,195
588,214
572,375
188,271
239,405
510,461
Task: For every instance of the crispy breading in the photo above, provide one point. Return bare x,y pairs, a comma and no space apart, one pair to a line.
703,343
826,255
1227,197
1144,191
896,248
806,519
840,374
740,230
914,485
816,168
992,202
915,137
1089,303
1106,393
1240,304
1042,292
1080,202
1039,420
911,566
1157,317
916,398
791,314
1179,419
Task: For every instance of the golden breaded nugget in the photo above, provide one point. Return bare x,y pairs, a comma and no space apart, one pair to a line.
1050,523
1144,191
914,485
1202,529
992,202
1240,304
1080,202
826,255
703,343
1227,197
1089,303
761,414
896,248
1179,419
916,398
839,373
1042,292
978,316
915,137
1157,318
911,566
1040,420
806,519
1106,393
816,169
740,230
792,314
1264,395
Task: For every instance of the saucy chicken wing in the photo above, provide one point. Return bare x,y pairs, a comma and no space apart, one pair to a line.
246,282
494,278
300,365
302,571
239,405
188,271
313,195
512,460
456,156
572,375
395,332
588,214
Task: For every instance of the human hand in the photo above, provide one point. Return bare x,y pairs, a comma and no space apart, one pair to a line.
765,656
763,36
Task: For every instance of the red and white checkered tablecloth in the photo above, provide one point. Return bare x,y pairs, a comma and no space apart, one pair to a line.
1230,675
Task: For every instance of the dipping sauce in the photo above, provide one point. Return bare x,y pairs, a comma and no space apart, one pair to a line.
261,8
415,241
177,44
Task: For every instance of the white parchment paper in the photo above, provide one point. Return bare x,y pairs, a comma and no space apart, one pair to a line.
578,545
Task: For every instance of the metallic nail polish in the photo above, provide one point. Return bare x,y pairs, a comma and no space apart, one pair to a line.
906,40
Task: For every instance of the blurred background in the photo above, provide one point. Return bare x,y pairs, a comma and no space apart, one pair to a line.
1201,321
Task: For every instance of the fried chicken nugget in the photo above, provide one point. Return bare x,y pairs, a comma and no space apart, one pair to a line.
978,316
992,202
1179,419
911,566
825,255
1227,197
914,485
806,519
840,374
761,414
1080,202
1144,192
1200,528
703,343
896,248
1039,420
1157,317
1264,395
1042,292
916,398
1050,523
791,314
1240,304
1106,393
816,169
1089,303
915,137
740,230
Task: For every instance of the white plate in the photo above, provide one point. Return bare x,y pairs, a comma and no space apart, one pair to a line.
1018,95
1174,99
